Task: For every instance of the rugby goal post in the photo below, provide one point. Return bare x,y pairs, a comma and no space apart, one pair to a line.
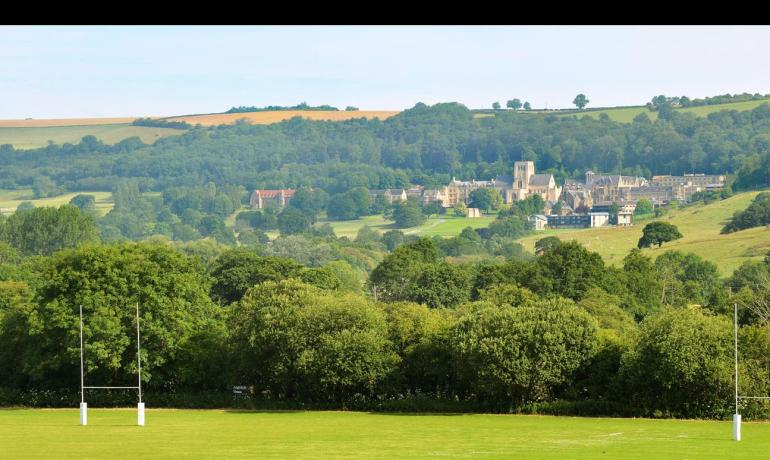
737,415
138,387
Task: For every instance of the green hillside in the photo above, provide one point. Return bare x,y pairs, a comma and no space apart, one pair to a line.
627,114
700,224
446,226
34,137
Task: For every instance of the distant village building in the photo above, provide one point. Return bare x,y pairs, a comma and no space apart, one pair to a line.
625,218
526,183
460,191
538,221
261,198
701,180
473,212
390,194
587,220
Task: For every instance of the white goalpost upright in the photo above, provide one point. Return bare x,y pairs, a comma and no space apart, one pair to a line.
138,387
737,415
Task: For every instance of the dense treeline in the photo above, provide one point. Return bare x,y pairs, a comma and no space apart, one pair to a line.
560,329
273,108
756,215
161,123
423,145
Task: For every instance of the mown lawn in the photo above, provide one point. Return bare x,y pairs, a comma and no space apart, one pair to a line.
699,224
111,433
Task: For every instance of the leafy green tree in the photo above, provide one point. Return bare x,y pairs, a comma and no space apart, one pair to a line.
486,199
408,214
300,341
658,233
44,187
393,239
522,354
25,206
682,364
569,270
460,209
644,284
544,245
236,270
350,108
42,231
687,278
496,105
757,214
644,206
390,279
84,202
420,337
527,106
292,221
580,101
440,285
109,281
508,295
343,207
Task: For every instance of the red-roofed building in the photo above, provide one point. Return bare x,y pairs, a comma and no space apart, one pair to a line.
260,198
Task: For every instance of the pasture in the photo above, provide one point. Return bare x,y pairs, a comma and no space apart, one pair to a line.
699,224
10,200
25,138
266,118
111,433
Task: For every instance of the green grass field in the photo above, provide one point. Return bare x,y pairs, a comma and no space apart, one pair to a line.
10,199
112,433
626,115
699,224
30,138
445,226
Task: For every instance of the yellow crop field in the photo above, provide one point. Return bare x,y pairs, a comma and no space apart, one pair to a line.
266,118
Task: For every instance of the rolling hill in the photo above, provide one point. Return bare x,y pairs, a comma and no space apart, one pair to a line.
700,224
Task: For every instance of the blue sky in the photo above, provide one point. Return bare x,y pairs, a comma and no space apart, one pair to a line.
56,72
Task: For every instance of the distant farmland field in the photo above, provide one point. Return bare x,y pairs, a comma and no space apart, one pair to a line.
38,136
10,200
265,118
627,114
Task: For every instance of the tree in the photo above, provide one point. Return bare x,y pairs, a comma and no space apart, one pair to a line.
460,209
522,354
86,203
658,233
43,187
440,285
393,239
569,270
644,206
350,108
300,341
42,231
580,101
514,104
544,245
292,221
682,363
408,213
109,281
496,106
486,199
236,270
527,106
